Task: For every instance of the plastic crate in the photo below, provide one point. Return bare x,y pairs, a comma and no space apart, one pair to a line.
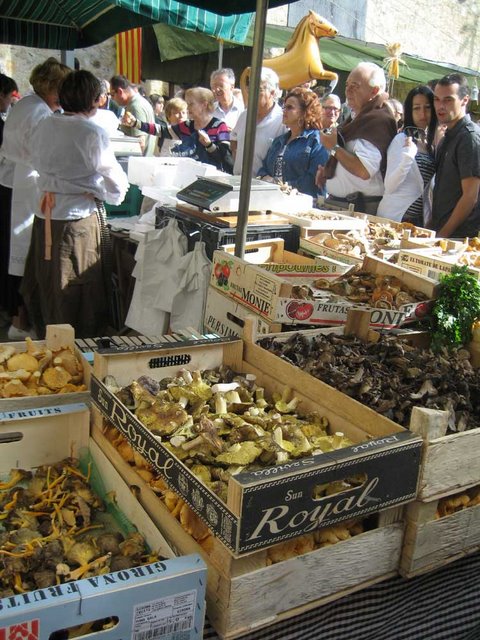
215,235
129,207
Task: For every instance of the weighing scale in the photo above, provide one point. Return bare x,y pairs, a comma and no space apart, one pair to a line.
126,146
221,194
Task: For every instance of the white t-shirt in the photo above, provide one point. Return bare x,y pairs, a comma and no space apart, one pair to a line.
403,180
267,130
108,121
344,182
231,116
75,161
20,127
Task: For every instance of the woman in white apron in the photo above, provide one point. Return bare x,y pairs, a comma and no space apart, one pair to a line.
67,273
19,128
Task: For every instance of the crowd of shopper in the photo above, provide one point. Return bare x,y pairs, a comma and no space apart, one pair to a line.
416,162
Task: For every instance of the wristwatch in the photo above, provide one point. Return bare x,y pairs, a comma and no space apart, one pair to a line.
333,150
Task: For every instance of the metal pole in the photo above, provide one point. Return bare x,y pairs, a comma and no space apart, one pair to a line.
67,57
255,71
220,54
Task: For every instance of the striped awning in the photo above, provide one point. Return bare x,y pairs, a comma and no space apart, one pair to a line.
73,24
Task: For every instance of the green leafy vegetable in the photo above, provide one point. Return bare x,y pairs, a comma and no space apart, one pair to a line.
457,307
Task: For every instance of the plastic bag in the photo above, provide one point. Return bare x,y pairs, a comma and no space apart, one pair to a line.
188,305
160,279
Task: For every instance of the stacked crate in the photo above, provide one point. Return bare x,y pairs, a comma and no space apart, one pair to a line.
269,289
270,506
450,473
139,600
161,597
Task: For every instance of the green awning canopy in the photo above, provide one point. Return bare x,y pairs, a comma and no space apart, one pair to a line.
338,53
73,24
344,53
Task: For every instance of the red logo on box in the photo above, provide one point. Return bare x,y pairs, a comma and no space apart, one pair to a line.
22,631
299,310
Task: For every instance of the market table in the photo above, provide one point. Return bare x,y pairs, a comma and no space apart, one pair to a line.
442,605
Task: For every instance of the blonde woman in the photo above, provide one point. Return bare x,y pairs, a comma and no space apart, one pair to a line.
202,137
176,111
20,126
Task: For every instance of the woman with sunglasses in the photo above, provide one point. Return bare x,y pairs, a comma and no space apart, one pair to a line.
293,157
410,160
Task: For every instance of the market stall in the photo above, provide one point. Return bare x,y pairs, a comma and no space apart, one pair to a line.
275,473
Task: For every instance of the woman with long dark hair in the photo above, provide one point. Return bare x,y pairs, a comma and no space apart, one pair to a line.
410,160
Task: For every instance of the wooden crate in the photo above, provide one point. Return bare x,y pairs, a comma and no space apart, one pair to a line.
416,232
260,510
244,594
431,542
326,220
449,462
57,337
311,245
46,436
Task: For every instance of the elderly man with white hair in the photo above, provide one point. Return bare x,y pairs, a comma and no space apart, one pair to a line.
358,147
269,123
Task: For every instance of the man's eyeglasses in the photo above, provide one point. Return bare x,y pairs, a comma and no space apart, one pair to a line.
327,108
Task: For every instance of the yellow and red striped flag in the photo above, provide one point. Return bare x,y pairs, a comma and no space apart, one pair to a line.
129,54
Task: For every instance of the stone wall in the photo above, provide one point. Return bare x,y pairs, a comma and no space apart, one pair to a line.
18,62
446,31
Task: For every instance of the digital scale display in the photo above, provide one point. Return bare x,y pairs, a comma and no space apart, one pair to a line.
203,193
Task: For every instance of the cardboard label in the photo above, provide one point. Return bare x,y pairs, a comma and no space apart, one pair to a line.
333,312
284,506
225,316
430,266
22,631
27,414
165,617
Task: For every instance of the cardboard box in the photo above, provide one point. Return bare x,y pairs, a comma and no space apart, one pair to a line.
164,595
271,295
271,256
240,597
226,317
57,337
274,503
432,263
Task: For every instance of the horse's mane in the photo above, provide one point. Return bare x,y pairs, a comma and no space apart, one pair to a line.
296,36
